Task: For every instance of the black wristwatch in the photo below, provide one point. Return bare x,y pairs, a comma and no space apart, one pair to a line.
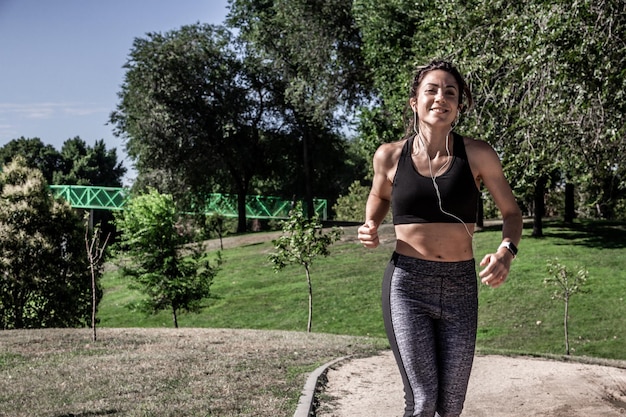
510,246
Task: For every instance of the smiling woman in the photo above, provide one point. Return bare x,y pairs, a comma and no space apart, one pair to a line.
431,179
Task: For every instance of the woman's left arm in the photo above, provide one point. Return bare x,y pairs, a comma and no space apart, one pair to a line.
486,163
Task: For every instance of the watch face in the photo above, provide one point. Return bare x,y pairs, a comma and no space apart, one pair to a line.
512,247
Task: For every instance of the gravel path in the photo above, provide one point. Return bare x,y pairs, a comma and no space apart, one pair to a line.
499,387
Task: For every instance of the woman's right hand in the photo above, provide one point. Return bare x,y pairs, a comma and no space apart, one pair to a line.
368,234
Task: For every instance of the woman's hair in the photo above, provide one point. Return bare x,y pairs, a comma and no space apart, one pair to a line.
464,94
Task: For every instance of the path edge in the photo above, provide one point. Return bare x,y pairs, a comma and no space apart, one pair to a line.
307,398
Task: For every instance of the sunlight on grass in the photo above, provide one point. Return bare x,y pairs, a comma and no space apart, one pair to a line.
519,316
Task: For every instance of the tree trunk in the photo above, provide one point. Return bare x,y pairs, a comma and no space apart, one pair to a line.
241,212
565,325
174,317
308,188
18,308
308,280
570,210
540,206
94,300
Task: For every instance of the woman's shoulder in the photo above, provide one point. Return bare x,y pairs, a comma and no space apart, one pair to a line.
388,154
477,147
390,149
482,157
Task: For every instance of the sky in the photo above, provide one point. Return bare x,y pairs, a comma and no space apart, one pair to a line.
61,63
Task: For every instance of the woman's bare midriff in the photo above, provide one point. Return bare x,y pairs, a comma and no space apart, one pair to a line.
443,242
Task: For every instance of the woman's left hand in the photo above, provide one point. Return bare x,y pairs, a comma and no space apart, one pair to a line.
496,270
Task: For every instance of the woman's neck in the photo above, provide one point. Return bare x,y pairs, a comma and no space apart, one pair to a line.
434,139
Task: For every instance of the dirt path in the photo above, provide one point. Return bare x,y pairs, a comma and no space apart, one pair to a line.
499,387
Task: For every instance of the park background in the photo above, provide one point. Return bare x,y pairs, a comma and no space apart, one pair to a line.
290,99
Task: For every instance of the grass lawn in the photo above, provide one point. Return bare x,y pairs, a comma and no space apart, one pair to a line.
520,316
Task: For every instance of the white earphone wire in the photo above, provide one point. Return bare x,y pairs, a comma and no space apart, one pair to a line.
433,177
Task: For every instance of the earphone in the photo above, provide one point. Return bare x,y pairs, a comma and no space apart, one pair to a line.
430,168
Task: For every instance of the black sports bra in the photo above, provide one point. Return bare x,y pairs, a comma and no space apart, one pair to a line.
414,199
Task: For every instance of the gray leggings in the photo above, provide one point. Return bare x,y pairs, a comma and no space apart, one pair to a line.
430,312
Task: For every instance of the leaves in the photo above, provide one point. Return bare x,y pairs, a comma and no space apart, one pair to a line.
156,254
302,241
567,283
45,276
548,79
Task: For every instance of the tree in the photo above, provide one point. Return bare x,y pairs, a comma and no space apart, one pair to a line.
351,206
567,285
95,256
158,252
35,154
215,223
592,44
302,241
76,164
314,48
194,112
86,165
44,274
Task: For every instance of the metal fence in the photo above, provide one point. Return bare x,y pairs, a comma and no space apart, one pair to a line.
111,198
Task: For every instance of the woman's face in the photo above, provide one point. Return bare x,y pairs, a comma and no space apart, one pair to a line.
437,101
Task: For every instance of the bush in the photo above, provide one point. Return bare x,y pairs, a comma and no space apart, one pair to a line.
351,207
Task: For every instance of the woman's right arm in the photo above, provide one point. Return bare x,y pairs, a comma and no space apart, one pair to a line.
379,199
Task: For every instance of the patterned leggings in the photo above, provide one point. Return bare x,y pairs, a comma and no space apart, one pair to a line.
430,312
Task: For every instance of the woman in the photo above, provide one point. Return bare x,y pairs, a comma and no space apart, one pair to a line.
431,180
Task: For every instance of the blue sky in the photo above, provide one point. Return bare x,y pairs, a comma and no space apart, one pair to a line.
61,62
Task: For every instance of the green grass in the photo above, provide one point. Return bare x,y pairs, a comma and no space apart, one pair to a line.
518,317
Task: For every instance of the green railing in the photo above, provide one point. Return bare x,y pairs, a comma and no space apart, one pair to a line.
87,197
259,207
111,198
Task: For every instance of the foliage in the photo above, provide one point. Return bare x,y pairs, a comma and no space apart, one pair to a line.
567,285
45,277
216,223
171,276
314,46
35,154
76,164
195,111
547,78
351,206
86,165
314,53
302,240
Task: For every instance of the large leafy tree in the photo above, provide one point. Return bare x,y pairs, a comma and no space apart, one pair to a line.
172,276
591,44
44,272
314,49
195,113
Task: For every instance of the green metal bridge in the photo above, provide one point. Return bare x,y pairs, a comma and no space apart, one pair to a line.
111,198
